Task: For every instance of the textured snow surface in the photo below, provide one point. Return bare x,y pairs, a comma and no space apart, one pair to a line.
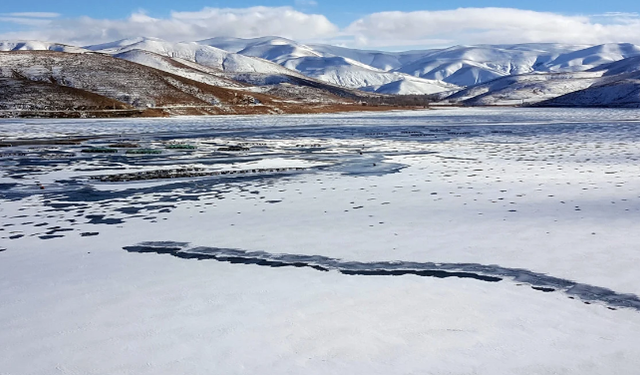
544,200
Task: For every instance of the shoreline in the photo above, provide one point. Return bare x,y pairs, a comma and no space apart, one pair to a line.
180,111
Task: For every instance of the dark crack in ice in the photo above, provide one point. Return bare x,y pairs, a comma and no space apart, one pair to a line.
487,273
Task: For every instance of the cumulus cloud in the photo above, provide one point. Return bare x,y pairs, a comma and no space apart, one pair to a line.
377,30
180,26
491,26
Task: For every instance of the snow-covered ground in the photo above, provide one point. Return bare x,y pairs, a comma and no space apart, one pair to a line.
458,241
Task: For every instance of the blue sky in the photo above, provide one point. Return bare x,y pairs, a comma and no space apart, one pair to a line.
355,23
334,9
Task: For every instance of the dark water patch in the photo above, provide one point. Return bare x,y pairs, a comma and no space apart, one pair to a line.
159,247
274,201
543,289
487,273
171,192
368,165
89,234
56,230
63,206
99,219
135,216
132,210
3,249
7,186
16,236
41,224
429,273
50,236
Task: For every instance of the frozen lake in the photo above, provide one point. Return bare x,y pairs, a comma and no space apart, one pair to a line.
488,241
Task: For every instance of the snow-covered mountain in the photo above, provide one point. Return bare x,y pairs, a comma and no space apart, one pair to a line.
356,69
388,72
623,93
524,88
183,68
519,74
211,57
214,66
59,84
615,84
408,85
618,87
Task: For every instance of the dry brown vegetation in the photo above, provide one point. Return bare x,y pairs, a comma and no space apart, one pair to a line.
55,84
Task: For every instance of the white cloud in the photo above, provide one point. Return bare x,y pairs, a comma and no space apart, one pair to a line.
33,19
490,26
32,14
180,26
33,22
377,30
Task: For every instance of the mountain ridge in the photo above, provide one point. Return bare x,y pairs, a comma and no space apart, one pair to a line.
478,75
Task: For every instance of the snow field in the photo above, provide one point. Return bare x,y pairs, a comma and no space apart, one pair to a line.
551,191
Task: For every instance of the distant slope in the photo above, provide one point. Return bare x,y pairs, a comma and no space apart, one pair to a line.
523,89
612,84
624,93
628,65
618,87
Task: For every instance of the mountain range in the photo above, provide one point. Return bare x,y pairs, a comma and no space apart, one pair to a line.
285,71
